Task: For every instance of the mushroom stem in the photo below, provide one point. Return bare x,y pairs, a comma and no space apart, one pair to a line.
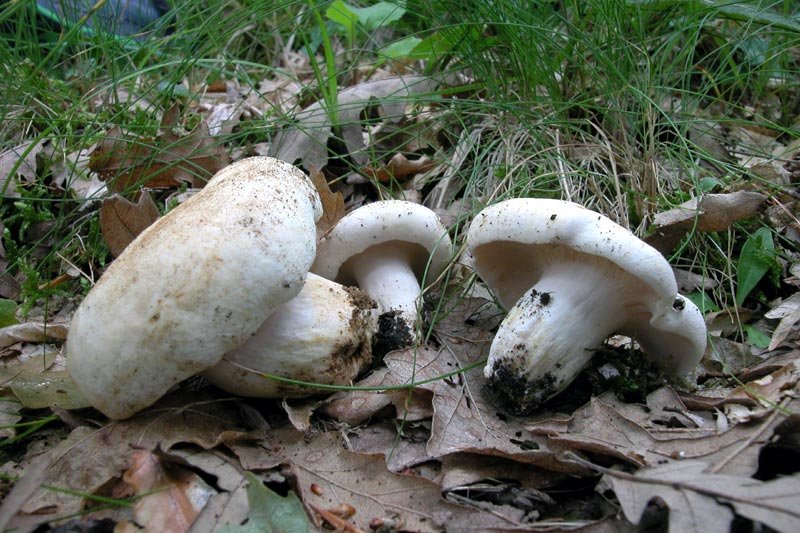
385,274
553,331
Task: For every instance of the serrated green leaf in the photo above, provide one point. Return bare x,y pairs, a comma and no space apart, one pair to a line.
755,260
269,512
8,309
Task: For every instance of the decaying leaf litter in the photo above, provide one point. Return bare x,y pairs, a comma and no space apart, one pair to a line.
438,454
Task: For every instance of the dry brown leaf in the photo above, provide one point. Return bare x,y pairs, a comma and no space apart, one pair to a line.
402,452
356,406
703,502
307,141
163,162
9,414
765,393
33,332
170,496
654,436
332,202
9,285
788,311
89,459
465,420
400,167
121,220
25,166
227,507
712,212
328,475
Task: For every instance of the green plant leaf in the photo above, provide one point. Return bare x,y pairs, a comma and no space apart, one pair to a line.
755,260
343,14
728,9
400,49
703,302
269,512
756,337
8,309
371,18
379,15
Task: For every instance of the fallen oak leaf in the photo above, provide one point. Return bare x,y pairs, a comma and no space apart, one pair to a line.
88,459
327,474
164,162
121,221
694,496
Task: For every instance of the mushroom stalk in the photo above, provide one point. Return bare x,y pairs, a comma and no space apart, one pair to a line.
386,275
554,329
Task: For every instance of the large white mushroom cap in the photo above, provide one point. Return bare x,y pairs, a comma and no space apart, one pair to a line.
194,285
572,277
322,335
387,248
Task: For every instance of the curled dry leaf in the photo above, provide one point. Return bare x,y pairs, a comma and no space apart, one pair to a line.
170,496
356,406
332,202
400,167
121,221
33,332
712,212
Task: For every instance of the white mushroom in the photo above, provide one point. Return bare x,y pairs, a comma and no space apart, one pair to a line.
574,277
194,285
322,335
386,248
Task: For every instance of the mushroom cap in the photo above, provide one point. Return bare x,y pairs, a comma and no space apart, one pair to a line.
194,285
522,227
322,335
513,242
391,223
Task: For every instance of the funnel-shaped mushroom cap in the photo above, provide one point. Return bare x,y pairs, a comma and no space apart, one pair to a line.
195,284
322,335
386,248
573,278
